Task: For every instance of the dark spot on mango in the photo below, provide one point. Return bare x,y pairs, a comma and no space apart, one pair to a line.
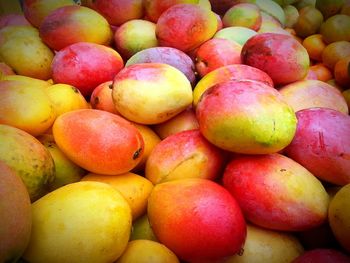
110,86
283,170
75,89
137,154
96,100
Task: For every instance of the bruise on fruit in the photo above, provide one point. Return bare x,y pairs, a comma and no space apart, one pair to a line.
137,154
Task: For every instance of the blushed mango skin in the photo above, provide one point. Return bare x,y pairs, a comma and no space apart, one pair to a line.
185,26
243,14
85,66
118,12
185,154
319,147
167,55
322,255
13,20
271,192
29,158
281,56
226,73
98,141
306,94
246,117
101,97
82,23
16,215
184,213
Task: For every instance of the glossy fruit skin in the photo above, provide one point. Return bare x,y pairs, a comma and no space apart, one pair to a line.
282,57
184,213
320,147
98,141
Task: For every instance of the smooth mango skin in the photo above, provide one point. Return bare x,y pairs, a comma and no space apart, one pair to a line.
246,117
26,106
141,229
151,93
29,158
24,51
142,251
83,222
16,215
271,192
339,216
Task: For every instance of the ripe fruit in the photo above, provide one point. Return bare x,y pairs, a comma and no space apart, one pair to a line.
79,222
98,141
336,28
243,14
322,255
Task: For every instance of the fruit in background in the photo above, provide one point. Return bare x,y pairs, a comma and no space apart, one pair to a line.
23,50
139,251
141,229
98,141
336,28
270,189
226,73
66,171
264,245
82,23
154,8
184,121
335,51
243,14
292,14
134,36
66,98
13,20
185,26
345,10
36,10
321,71
322,255
101,97
118,12
346,95
339,216
85,66
134,188
185,212
314,46
221,6
271,25
342,71
183,155
321,148
309,21
282,57
305,94
28,158
5,70
166,55
16,217
236,34
151,93
216,53
150,139
246,117
26,106
91,222
329,7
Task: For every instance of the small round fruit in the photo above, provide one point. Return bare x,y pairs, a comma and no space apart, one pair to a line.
336,28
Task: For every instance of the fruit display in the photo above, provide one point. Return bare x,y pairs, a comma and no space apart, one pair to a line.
182,131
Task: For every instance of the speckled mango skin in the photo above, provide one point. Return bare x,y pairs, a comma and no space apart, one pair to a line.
29,158
246,117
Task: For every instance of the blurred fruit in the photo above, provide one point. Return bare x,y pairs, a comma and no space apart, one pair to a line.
244,15
346,95
98,141
236,34
27,80
184,213
342,72
292,14
82,23
265,183
322,256
28,158
16,217
141,229
143,251
322,72
314,46
26,106
335,51
66,171
339,216
13,20
246,117
5,70
79,222
336,28
309,21
305,94
134,188
151,93
86,65
282,57
329,7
